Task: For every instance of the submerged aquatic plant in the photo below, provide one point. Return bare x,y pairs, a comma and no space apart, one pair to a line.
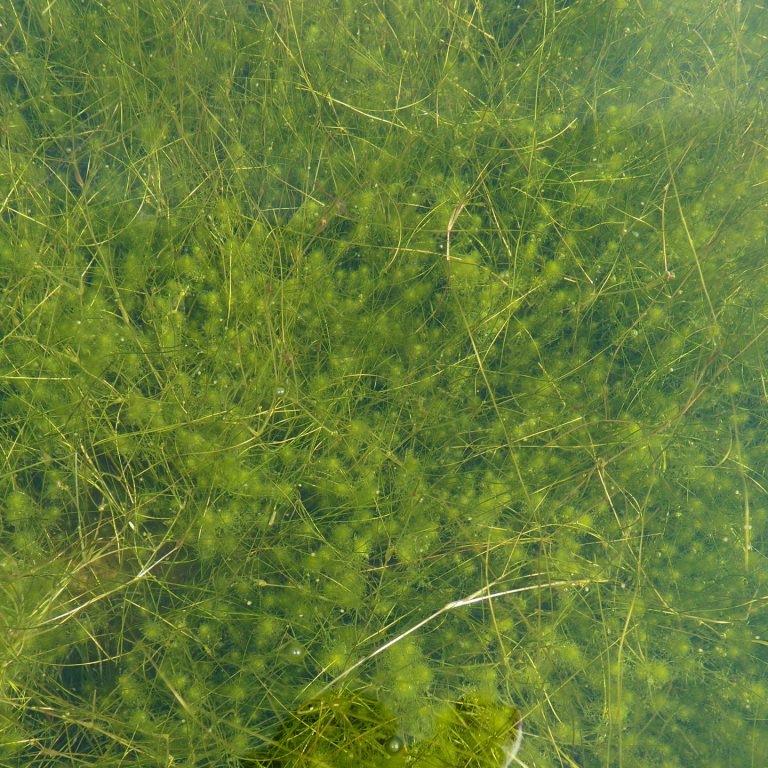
352,728
347,729
414,349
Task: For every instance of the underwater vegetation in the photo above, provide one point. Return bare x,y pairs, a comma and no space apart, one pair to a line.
353,728
379,374
350,729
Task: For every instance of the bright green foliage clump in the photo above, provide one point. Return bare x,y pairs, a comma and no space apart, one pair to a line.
353,728
476,732
345,731
414,346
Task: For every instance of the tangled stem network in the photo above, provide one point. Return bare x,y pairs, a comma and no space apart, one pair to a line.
318,316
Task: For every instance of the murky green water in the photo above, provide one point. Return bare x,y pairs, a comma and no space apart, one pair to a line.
407,347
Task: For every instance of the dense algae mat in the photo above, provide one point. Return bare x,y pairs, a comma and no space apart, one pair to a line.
354,729
320,317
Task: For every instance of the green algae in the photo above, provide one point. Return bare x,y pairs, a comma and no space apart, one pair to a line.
343,730
353,728
320,317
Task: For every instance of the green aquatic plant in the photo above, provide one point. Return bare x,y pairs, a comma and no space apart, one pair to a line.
347,729
406,351
352,728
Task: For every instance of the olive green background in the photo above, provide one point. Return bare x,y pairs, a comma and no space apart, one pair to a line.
320,316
